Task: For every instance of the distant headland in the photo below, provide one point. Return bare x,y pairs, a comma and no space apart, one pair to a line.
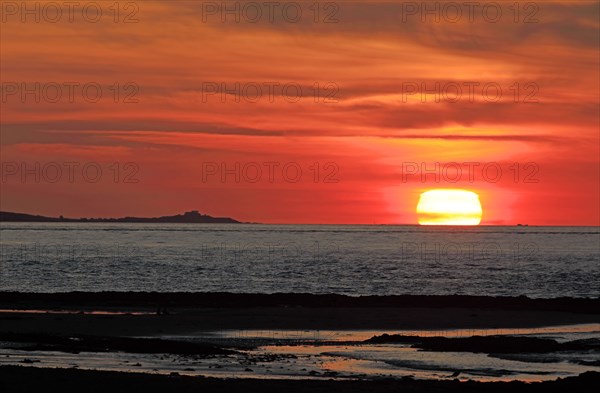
191,217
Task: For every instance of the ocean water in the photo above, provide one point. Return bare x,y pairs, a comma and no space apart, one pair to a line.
346,259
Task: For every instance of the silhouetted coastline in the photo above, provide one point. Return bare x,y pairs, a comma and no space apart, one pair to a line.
191,217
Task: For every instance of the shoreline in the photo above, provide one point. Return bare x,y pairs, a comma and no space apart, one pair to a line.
11,299
155,314
202,320
263,340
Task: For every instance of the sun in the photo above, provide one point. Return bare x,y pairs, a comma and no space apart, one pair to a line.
449,207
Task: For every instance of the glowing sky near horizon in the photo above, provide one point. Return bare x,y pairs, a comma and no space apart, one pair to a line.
362,153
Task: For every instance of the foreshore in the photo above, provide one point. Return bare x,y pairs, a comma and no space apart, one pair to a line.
136,313
148,327
30,379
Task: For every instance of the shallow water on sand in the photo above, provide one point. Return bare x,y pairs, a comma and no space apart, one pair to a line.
565,332
331,354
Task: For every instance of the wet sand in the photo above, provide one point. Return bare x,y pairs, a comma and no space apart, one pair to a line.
190,321
245,300
103,321
191,313
29,379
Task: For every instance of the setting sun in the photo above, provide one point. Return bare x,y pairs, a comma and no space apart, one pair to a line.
449,207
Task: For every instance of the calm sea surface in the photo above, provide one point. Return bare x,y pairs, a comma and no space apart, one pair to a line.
354,260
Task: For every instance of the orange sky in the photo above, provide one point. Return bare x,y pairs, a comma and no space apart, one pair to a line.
360,140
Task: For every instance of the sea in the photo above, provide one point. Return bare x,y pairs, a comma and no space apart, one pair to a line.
538,262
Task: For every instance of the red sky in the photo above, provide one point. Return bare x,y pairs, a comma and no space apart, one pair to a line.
360,140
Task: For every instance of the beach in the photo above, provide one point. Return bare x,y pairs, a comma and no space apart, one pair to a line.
298,341
136,313
21,379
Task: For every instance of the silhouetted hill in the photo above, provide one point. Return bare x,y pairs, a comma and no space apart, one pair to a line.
192,217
